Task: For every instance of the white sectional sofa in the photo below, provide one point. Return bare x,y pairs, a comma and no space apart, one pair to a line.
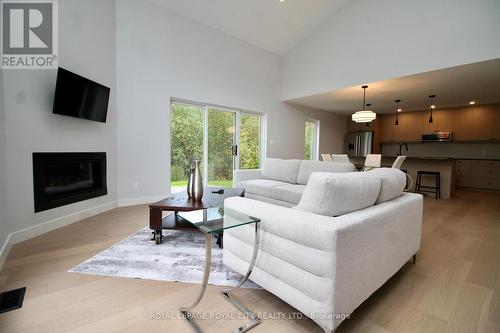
349,233
282,182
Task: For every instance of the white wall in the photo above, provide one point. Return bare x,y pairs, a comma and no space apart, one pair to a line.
163,55
87,47
370,40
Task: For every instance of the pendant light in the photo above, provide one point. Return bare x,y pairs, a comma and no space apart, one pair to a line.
432,108
398,110
368,106
364,116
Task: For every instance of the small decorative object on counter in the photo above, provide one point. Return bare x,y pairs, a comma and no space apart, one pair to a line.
196,185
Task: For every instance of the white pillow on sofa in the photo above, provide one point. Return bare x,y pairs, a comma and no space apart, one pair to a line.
393,183
334,194
281,170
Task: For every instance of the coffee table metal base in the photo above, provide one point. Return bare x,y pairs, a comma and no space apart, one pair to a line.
254,320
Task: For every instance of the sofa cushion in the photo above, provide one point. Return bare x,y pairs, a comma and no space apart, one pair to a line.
334,194
289,193
263,187
281,170
308,167
393,183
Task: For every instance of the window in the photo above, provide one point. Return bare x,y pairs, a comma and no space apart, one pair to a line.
223,139
250,141
311,141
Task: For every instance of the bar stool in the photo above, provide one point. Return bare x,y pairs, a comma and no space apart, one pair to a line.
429,189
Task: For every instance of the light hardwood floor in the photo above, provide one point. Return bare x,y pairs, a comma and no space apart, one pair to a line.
453,287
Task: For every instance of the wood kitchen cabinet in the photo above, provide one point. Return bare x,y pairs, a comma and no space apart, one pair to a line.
442,121
400,131
408,130
445,121
462,124
495,133
387,128
478,123
429,127
478,174
482,124
414,126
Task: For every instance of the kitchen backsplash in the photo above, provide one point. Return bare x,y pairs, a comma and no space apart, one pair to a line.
455,150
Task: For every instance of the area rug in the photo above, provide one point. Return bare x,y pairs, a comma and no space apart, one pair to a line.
180,257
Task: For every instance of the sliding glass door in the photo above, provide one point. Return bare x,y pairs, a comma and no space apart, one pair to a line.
250,134
186,140
221,147
223,139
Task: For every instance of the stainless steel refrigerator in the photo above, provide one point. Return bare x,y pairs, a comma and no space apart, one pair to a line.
359,144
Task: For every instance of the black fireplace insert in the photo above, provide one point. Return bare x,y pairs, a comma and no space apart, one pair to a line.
63,178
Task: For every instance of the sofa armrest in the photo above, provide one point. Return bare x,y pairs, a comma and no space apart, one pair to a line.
372,245
241,175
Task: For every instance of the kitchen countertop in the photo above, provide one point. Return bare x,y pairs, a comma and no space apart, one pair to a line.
436,158
424,158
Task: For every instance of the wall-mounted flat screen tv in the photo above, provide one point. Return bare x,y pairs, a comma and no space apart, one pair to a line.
80,97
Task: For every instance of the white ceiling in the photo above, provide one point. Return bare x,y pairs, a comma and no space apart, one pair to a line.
454,86
269,24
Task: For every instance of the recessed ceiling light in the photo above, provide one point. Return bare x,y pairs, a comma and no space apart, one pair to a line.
472,102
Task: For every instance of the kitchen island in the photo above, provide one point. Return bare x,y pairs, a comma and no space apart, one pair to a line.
446,166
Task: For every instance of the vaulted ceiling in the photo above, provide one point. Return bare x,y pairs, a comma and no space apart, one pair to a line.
274,25
277,26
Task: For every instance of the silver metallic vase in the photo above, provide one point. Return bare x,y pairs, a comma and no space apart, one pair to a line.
190,182
197,182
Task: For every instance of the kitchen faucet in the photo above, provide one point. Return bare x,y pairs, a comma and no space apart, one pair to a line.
401,146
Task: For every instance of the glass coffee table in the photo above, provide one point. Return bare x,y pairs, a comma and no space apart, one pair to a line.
213,221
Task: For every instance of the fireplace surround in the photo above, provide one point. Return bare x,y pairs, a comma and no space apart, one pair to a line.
63,178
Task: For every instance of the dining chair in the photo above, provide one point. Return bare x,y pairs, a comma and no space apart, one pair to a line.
372,161
326,157
398,162
340,158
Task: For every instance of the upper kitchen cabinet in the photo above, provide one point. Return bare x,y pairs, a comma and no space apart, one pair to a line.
414,126
496,125
428,127
482,123
400,131
442,121
386,128
445,121
462,124
478,123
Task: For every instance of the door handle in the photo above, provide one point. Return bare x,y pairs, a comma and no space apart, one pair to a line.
234,150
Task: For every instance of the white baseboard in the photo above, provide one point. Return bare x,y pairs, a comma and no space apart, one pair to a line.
42,228
141,201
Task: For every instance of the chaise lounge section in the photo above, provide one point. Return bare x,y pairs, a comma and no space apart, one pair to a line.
348,235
